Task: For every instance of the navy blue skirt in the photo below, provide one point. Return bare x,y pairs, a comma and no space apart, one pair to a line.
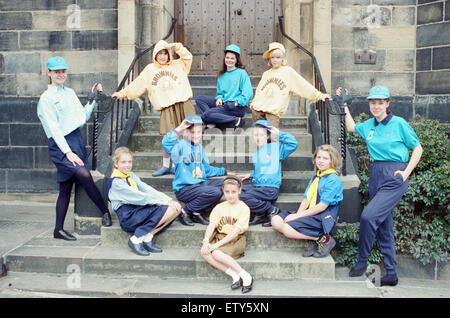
308,225
140,219
65,169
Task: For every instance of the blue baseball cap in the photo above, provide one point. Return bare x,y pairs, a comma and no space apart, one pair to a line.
57,63
379,92
195,119
233,48
263,123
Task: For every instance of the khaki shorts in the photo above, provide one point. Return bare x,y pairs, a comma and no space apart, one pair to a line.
274,120
171,117
235,248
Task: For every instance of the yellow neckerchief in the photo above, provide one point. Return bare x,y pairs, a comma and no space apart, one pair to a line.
311,195
119,174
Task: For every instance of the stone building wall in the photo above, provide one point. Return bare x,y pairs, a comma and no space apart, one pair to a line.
410,40
84,32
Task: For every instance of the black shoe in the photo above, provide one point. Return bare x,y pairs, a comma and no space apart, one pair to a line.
326,248
238,128
185,219
106,220
268,222
138,248
237,284
258,219
198,218
246,289
357,270
151,247
61,234
388,280
312,248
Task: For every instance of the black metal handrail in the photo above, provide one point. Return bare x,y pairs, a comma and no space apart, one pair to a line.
119,108
324,108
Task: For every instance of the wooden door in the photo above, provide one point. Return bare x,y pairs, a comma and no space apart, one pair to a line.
206,27
253,25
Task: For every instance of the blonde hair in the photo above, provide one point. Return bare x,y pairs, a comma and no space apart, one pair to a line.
232,180
279,53
336,161
119,152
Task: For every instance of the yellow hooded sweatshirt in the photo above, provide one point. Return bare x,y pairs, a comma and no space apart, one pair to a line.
276,87
165,84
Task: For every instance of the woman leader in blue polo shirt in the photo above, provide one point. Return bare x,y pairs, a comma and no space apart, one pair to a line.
388,139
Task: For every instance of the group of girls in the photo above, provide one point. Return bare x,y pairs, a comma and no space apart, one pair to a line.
144,211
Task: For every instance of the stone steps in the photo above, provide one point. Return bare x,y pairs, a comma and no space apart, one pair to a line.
217,140
293,181
181,236
46,255
297,161
195,292
148,123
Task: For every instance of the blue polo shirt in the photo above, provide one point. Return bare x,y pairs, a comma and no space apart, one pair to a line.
388,140
330,189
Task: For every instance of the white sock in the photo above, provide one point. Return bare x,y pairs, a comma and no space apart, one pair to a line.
246,277
166,162
233,274
137,240
148,237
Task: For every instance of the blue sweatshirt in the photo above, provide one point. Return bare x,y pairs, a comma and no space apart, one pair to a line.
191,163
235,86
267,161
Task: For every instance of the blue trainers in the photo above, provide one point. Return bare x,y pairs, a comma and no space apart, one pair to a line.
151,247
139,249
161,171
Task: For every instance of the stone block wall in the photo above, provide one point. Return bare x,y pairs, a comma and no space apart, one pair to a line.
409,39
84,32
433,59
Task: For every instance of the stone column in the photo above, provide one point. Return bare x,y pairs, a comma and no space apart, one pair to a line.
298,22
322,39
126,41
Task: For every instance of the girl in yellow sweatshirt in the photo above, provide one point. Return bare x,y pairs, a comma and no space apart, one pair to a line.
277,85
167,85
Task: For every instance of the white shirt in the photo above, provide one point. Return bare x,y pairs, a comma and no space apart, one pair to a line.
60,112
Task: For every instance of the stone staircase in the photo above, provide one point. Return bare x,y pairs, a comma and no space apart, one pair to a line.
269,255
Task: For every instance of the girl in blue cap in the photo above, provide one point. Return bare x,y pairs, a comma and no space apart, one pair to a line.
234,92
266,177
388,139
62,116
192,170
318,212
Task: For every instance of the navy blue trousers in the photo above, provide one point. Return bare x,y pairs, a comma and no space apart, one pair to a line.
201,197
259,199
385,191
228,113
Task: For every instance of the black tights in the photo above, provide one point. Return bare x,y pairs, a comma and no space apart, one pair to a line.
83,176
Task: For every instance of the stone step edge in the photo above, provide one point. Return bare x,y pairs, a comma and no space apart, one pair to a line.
173,254
295,132
138,286
171,263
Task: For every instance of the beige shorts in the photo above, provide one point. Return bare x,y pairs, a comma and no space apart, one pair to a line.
235,248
